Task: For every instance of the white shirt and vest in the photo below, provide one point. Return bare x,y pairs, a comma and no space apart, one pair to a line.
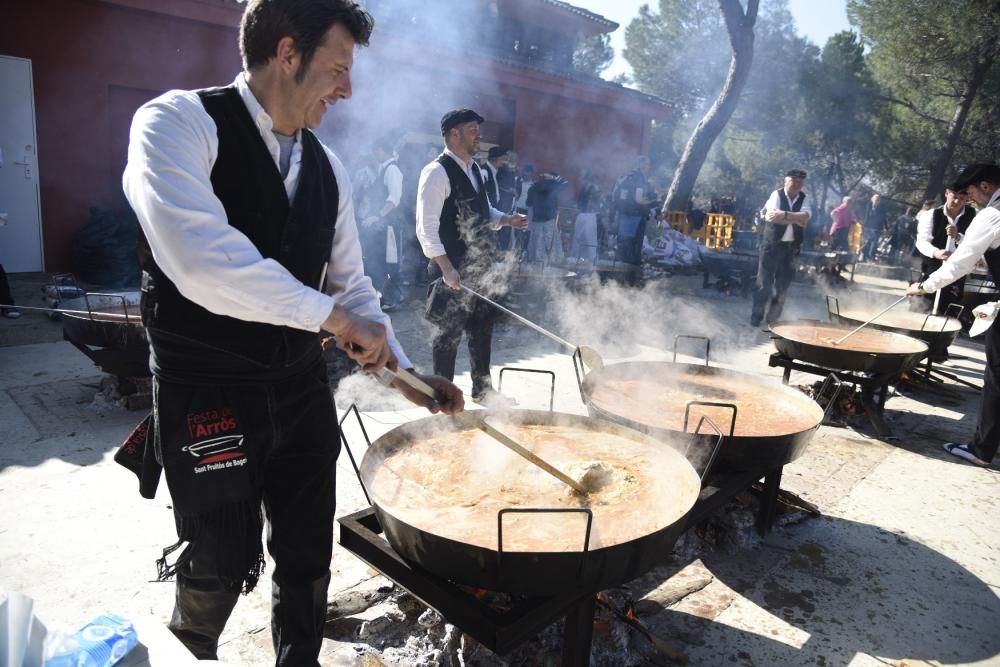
172,150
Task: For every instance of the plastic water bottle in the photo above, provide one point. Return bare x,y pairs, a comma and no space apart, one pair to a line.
101,643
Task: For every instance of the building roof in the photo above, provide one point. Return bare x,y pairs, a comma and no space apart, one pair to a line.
596,18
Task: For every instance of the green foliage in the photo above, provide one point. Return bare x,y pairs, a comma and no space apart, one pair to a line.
924,55
803,106
594,55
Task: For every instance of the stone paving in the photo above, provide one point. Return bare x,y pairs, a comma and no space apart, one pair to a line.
901,568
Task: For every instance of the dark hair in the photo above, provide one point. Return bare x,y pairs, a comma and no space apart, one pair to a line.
266,22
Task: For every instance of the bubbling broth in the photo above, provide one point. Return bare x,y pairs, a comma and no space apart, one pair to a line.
658,401
454,483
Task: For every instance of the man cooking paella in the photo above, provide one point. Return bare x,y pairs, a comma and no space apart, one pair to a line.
251,250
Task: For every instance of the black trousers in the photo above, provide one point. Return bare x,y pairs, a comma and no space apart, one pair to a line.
373,246
840,239
5,296
775,270
298,468
452,314
987,437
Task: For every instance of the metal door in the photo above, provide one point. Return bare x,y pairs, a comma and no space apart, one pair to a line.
20,209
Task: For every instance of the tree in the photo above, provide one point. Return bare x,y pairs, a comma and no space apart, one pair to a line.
740,26
935,59
593,55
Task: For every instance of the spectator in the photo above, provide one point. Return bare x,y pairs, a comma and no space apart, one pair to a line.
543,201
843,218
786,214
874,225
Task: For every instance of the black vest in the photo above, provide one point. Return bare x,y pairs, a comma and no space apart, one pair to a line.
774,231
465,216
939,237
299,236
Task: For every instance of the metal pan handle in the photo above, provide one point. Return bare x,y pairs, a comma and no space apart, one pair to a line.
541,510
836,382
580,371
551,374
347,447
715,450
687,413
835,310
708,345
959,309
90,310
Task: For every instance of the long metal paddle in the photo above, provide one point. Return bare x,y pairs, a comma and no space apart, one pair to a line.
950,247
588,354
878,315
62,311
470,419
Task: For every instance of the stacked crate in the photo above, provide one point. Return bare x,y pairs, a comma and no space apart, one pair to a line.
718,230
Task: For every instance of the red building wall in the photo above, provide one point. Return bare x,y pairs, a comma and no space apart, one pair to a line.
95,62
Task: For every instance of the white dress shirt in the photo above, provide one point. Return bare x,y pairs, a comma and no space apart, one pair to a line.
925,231
173,145
982,234
434,188
392,179
774,204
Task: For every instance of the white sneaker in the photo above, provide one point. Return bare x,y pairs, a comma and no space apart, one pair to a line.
963,452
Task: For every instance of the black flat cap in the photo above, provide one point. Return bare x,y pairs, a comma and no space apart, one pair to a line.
456,117
976,173
795,173
496,151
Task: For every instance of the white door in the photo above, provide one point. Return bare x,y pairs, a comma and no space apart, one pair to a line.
20,210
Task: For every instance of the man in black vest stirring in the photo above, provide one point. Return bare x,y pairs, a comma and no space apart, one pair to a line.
981,184
251,250
786,214
457,228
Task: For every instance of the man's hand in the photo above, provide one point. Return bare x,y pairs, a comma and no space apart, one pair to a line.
773,214
942,254
451,278
951,230
449,397
517,221
364,341
915,290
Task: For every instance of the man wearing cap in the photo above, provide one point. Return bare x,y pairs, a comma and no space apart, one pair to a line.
981,183
938,235
786,214
456,227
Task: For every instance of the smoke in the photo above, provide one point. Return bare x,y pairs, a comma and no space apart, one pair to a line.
428,57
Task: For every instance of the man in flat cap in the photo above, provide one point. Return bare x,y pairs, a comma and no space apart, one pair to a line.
786,214
981,184
456,226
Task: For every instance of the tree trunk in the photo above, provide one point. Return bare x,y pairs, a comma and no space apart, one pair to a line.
980,68
740,26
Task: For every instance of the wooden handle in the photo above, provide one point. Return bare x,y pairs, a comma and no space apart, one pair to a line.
471,419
